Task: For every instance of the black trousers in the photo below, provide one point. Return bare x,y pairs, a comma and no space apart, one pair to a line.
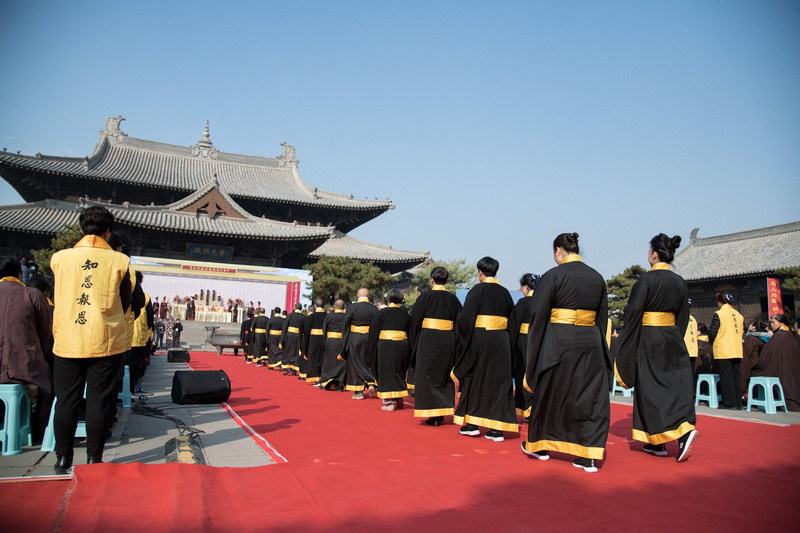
99,375
730,381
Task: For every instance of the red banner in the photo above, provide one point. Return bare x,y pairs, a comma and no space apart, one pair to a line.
292,295
774,300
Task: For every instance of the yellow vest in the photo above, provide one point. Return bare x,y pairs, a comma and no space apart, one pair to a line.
88,320
728,343
141,333
130,317
690,337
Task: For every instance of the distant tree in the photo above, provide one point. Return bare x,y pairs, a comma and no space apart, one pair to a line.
341,277
462,276
67,238
790,278
619,290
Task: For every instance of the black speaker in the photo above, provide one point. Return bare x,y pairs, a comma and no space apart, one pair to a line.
178,356
200,386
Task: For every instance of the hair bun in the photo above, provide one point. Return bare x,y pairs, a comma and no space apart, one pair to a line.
676,242
572,237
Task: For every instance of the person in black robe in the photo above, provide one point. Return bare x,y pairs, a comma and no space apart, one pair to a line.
190,309
651,355
568,365
389,352
176,333
314,341
258,334
292,342
433,348
274,332
484,361
780,358
522,313
244,338
334,368
356,335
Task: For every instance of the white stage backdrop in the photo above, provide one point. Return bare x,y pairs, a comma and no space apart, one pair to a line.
273,287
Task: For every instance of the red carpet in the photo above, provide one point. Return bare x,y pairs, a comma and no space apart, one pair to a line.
352,466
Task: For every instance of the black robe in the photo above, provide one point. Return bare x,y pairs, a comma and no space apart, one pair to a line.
780,358
569,367
751,351
258,335
245,338
484,361
274,332
313,344
388,359
292,342
655,361
334,368
522,313
359,375
433,353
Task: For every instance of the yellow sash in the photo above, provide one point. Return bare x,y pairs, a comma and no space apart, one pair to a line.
491,322
359,329
437,323
334,335
577,317
316,332
523,328
260,330
658,318
392,335
275,332
292,329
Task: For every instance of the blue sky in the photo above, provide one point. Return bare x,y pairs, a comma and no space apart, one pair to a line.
493,126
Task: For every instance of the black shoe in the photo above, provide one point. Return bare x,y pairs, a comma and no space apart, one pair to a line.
470,430
94,459
495,435
685,444
587,464
434,421
62,465
655,449
543,455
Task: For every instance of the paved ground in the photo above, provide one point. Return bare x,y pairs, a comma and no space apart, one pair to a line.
138,437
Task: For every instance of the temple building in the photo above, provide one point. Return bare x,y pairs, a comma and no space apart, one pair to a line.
739,263
192,203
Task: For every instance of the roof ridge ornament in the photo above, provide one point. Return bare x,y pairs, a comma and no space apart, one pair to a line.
112,131
288,157
204,147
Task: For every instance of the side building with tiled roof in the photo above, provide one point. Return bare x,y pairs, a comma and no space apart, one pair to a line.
190,202
739,263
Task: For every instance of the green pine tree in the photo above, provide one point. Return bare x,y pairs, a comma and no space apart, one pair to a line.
67,238
619,290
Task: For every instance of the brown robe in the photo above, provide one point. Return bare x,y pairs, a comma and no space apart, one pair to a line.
24,334
780,358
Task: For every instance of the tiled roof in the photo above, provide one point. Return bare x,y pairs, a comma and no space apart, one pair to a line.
341,245
743,254
50,216
120,158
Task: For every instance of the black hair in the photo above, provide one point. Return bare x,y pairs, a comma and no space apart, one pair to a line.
780,317
529,280
10,267
43,284
298,305
702,329
394,296
440,275
488,266
277,310
567,242
665,247
725,298
96,220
